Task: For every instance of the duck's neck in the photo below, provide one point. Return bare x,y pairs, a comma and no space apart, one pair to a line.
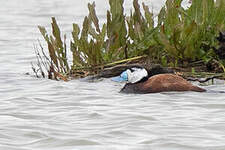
142,80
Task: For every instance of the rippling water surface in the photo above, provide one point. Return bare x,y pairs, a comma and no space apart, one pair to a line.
41,114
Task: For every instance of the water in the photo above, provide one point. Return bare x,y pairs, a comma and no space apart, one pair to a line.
41,114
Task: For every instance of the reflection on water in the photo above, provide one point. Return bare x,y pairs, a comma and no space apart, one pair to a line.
39,114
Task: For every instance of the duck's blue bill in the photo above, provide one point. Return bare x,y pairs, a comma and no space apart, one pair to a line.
118,79
121,78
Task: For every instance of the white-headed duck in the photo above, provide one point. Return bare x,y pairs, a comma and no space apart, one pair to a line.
138,81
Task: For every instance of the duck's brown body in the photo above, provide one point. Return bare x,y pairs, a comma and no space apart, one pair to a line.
161,83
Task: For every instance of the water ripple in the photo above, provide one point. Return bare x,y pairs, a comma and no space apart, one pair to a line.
39,114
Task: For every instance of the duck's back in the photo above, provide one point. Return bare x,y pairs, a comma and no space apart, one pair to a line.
162,83
169,82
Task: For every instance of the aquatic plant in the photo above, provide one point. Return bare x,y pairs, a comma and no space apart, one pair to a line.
87,45
94,47
180,36
57,65
56,47
140,30
188,35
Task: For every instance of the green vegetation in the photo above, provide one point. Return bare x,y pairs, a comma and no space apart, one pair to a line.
188,35
180,36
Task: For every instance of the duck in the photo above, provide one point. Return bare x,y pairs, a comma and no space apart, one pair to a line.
139,81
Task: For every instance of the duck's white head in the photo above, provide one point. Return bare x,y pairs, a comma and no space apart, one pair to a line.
132,75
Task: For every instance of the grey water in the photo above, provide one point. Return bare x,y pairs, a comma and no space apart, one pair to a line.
42,114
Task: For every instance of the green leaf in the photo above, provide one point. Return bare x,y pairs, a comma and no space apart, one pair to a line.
84,33
92,15
56,33
44,33
148,16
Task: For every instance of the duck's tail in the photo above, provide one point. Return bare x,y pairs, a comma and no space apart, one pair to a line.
198,89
